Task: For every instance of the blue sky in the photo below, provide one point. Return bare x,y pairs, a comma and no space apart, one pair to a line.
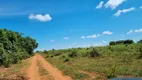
73,23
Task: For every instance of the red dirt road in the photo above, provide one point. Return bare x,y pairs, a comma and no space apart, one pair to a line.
33,73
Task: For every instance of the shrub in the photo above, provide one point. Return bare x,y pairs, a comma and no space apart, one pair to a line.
57,53
111,73
80,76
63,56
51,56
6,60
140,41
66,59
72,54
94,53
140,49
16,59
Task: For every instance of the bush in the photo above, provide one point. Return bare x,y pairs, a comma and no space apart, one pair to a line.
6,60
72,54
63,56
80,76
16,59
111,73
140,41
140,55
51,56
66,59
94,53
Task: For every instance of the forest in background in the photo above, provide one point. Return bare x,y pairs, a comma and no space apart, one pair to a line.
15,47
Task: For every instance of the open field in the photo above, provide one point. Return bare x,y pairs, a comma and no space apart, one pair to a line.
98,63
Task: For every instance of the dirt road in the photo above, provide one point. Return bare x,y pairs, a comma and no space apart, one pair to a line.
33,72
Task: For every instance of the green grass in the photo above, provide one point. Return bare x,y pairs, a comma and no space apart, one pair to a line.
41,70
16,70
109,67
108,61
19,66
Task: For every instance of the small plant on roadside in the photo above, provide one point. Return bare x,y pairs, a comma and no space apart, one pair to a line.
66,59
80,76
98,78
111,73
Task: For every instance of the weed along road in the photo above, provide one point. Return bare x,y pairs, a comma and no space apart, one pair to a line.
46,69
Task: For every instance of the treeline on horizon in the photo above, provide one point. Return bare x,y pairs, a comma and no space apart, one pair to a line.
120,48
14,47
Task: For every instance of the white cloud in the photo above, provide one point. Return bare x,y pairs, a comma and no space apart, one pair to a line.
118,13
93,36
100,5
66,38
114,3
52,41
107,33
140,7
40,17
83,37
138,30
130,32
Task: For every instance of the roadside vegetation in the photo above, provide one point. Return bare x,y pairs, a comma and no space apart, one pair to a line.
15,72
121,58
15,47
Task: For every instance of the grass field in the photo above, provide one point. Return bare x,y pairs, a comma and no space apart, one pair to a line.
98,64
106,67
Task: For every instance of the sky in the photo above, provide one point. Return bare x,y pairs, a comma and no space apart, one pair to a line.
63,24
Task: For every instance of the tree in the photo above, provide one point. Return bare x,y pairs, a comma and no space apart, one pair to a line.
121,42
14,47
112,43
140,41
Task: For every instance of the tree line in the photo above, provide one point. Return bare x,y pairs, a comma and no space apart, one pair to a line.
123,42
14,47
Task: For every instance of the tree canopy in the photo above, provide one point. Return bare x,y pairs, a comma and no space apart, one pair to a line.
14,47
121,42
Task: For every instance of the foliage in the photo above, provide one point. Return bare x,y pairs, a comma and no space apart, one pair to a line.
140,41
111,72
94,53
72,54
121,42
15,47
120,58
66,59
